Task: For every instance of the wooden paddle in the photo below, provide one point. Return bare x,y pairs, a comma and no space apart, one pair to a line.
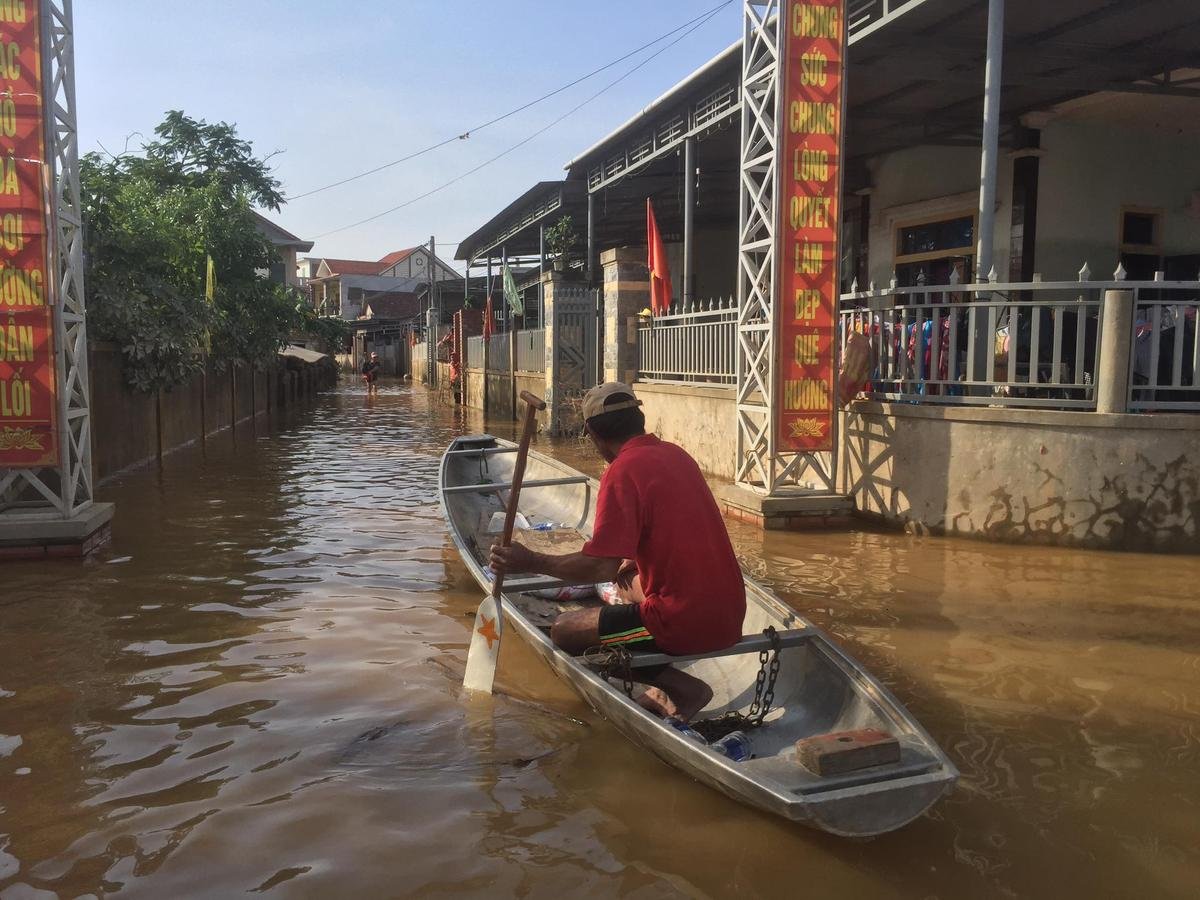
489,619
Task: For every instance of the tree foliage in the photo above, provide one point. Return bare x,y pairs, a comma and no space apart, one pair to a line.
152,220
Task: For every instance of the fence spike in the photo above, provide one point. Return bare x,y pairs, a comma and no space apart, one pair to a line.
1120,274
893,282
921,278
854,286
1085,274
1037,278
955,278
1160,276
993,276
871,287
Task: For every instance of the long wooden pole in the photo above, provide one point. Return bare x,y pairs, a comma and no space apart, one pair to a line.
532,406
484,651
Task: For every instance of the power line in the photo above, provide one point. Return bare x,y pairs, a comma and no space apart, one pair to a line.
466,134
530,137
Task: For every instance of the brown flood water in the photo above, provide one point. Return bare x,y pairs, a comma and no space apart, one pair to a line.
254,689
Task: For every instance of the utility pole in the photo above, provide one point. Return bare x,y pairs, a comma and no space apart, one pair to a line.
433,265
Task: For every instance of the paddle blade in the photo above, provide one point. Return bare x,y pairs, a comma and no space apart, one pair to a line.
485,646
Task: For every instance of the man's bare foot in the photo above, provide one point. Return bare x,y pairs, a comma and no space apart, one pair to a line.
676,693
659,703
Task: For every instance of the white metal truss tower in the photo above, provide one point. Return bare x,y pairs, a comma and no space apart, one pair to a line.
64,491
760,463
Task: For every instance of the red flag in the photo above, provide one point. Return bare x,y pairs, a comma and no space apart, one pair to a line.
487,318
656,262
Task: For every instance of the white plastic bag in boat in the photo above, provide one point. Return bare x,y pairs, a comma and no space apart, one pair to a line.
607,593
496,523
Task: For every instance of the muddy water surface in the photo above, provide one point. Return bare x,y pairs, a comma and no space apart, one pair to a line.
254,690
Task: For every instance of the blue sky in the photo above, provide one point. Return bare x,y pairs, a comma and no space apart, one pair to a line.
340,87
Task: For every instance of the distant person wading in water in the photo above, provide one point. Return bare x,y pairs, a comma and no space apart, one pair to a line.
370,373
659,535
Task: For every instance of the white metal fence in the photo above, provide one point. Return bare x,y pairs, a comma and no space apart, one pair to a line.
1165,360
531,350
694,345
475,352
1032,344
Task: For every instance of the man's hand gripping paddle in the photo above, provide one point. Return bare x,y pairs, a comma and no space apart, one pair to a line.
489,620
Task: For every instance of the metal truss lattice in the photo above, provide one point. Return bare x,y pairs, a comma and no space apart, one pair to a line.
66,490
759,463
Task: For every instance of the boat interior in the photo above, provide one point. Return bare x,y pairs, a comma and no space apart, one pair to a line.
819,690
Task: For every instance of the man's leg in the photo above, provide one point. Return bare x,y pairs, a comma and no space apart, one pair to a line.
669,692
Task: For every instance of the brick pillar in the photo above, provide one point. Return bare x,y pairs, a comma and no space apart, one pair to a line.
626,293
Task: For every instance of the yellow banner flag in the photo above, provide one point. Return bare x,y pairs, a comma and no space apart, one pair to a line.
210,281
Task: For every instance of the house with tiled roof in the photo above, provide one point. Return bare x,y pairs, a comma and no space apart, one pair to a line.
339,287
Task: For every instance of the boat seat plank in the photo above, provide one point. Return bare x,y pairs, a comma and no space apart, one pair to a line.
868,776
539,583
751,643
481,451
495,488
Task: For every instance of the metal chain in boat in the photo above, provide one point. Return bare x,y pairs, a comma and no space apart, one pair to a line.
764,695
612,663
768,696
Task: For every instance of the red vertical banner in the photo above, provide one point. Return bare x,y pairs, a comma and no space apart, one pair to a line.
28,437
808,226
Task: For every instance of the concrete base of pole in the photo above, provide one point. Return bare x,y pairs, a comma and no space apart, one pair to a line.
789,510
28,534
1116,341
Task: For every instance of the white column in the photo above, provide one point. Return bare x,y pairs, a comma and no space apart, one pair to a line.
991,139
689,218
1116,342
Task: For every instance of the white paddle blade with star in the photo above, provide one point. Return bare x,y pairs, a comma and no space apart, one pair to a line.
485,646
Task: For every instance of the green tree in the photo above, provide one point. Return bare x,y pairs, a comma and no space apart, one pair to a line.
152,220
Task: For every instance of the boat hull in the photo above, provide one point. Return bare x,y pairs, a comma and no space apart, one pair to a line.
820,689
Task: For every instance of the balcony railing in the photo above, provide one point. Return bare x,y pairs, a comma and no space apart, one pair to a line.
695,345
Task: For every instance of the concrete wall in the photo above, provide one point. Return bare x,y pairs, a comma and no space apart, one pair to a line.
715,257
1127,482
1089,171
921,183
500,393
474,396
535,383
699,418
130,428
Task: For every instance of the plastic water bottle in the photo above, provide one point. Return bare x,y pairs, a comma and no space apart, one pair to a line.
686,730
735,745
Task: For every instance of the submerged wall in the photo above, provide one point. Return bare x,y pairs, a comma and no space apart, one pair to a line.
130,428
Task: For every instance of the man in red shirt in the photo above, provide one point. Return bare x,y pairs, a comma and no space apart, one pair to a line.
659,535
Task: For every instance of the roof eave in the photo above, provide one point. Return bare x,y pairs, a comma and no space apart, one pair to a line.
672,94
